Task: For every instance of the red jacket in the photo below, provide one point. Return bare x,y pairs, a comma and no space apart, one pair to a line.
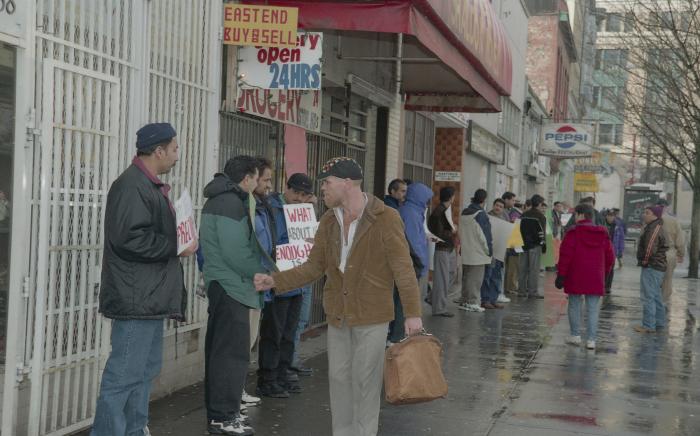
585,257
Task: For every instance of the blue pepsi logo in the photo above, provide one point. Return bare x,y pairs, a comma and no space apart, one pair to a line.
566,137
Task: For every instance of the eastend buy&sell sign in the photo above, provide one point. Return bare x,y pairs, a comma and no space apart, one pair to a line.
268,26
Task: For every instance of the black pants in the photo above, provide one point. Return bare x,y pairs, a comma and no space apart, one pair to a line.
280,319
226,354
397,330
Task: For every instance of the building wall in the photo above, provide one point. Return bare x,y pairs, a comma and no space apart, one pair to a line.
548,64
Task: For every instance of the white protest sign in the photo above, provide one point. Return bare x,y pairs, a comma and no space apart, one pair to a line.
283,67
293,254
500,232
301,221
301,226
184,216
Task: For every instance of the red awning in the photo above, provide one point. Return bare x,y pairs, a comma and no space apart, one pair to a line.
466,37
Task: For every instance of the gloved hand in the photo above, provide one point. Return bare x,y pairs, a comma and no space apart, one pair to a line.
559,282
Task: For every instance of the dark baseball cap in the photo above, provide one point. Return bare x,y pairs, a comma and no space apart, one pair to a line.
342,168
662,202
300,182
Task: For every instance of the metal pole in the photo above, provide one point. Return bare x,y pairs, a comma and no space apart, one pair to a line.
399,55
21,221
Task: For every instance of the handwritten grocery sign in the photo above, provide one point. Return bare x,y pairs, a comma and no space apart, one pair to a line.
301,229
298,67
268,26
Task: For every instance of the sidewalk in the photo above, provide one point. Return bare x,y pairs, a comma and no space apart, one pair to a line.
510,373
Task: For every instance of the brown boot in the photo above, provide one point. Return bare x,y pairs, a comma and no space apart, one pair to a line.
488,306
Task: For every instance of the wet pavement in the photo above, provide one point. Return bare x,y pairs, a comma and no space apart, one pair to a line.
510,373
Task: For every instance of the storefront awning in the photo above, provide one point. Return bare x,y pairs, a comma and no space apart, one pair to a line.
456,57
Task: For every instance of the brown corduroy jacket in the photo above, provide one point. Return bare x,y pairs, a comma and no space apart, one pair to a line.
378,258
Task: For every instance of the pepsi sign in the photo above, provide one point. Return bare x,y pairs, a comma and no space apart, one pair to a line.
566,140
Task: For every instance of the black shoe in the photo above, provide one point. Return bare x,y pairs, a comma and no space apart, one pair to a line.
233,427
272,390
293,387
302,371
288,375
445,314
428,301
537,296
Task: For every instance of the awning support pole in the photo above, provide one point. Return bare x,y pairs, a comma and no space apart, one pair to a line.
399,54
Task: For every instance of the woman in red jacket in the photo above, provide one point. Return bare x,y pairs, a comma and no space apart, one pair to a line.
586,256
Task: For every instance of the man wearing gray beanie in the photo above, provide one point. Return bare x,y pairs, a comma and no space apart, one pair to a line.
142,281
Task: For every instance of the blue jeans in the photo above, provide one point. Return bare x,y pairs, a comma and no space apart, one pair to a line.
493,278
654,309
592,302
304,318
135,360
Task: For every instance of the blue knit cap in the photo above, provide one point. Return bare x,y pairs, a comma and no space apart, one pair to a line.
154,133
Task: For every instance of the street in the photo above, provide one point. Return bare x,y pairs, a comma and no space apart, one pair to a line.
510,373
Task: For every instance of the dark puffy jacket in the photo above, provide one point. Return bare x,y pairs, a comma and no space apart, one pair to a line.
532,225
652,247
141,273
232,253
440,227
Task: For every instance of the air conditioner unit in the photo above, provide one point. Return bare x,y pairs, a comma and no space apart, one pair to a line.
532,170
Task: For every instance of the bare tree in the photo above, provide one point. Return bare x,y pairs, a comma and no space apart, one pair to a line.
661,105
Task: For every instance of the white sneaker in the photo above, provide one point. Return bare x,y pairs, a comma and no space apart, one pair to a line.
249,400
243,408
233,427
574,340
590,345
471,307
502,299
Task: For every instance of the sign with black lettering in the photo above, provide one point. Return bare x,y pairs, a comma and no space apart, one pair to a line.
298,67
301,229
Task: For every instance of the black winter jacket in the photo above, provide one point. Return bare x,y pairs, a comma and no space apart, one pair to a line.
440,227
532,225
141,272
652,247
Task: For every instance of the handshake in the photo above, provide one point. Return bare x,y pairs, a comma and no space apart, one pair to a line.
263,282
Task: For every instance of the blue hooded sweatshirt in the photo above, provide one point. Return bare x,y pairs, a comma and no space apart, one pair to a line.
413,216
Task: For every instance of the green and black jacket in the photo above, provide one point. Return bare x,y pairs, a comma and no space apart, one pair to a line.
229,246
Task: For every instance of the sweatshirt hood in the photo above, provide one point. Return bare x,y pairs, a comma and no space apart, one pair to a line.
221,183
592,236
418,194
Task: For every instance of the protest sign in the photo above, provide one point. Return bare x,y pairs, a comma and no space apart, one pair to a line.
186,228
501,231
301,221
293,254
301,228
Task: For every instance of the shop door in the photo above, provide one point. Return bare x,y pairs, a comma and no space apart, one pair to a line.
79,146
7,114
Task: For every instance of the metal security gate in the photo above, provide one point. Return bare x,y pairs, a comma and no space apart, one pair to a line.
79,142
101,69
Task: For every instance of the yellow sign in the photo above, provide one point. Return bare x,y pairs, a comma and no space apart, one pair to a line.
267,26
585,182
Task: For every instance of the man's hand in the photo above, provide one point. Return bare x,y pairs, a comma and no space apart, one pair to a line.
413,326
263,282
192,249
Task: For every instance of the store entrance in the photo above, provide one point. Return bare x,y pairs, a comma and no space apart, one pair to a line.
7,124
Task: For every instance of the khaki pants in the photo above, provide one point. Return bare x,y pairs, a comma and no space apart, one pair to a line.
355,375
510,286
667,286
472,278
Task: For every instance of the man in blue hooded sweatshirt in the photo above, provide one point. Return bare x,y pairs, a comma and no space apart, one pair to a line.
412,213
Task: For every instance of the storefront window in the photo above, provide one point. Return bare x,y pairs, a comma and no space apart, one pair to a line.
419,148
7,114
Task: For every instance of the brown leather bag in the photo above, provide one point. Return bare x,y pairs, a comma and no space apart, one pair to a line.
413,371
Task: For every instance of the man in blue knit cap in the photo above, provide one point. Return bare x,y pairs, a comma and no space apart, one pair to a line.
142,282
